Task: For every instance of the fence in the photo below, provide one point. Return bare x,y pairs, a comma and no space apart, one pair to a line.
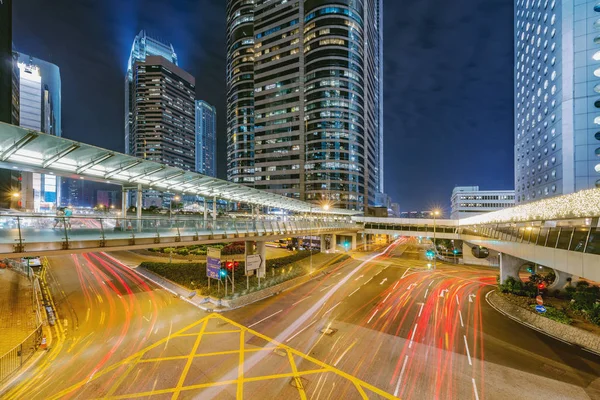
12,360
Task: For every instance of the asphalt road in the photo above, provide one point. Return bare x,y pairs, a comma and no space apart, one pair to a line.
388,321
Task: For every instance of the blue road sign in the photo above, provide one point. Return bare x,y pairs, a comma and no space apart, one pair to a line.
540,309
213,263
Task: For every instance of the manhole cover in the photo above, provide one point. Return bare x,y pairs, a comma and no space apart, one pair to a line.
328,331
299,382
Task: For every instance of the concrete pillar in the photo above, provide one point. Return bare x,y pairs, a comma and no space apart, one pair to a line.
139,202
249,247
510,266
323,244
124,195
262,250
214,210
205,209
561,282
353,242
333,244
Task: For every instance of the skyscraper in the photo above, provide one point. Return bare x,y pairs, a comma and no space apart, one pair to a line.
40,110
206,138
304,101
143,46
164,113
9,101
557,97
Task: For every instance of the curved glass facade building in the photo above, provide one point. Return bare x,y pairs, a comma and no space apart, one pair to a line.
317,100
557,97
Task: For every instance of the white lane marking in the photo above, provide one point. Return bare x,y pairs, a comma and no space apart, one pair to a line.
368,281
354,292
87,315
430,283
386,297
299,301
470,297
102,316
325,288
421,310
359,277
383,281
339,273
301,330
404,274
400,377
461,320
265,318
427,291
332,308
468,353
147,320
397,282
372,316
475,389
411,286
412,336
457,300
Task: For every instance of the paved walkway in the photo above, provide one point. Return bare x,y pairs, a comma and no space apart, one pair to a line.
17,316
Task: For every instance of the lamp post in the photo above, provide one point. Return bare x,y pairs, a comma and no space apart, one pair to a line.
176,198
435,214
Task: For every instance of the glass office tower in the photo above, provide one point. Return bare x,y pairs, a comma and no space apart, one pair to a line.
304,105
557,97
143,46
206,138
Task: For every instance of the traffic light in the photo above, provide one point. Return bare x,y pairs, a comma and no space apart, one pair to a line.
229,265
455,251
222,273
236,264
541,285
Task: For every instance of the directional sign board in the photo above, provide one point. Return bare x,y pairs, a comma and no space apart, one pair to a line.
253,262
540,309
213,262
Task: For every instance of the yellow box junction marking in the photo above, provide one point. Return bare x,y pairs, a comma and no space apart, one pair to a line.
138,359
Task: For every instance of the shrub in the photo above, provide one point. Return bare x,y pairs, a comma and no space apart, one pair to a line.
183,251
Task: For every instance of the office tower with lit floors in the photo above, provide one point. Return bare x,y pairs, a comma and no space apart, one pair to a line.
304,101
557,97
206,138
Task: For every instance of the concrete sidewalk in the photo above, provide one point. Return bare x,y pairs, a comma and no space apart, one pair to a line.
17,314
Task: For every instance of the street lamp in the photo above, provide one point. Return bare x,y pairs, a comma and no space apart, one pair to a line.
176,198
435,214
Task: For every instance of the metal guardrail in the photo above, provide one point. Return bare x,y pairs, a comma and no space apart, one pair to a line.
18,233
14,359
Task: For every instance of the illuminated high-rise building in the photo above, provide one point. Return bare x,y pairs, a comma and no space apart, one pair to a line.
557,97
206,138
143,46
304,99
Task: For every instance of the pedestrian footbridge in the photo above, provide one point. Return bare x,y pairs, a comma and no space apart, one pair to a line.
27,235
562,233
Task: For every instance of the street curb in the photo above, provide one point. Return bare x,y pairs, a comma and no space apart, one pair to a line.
528,325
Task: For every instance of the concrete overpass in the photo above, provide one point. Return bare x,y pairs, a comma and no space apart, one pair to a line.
562,233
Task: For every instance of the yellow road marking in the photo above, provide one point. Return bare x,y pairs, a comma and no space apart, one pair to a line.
188,364
240,386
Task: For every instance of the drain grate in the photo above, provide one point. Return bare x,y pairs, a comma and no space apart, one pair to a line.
299,382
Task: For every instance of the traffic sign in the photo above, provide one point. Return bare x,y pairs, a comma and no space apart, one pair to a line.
540,309
213,262
539,300
253,262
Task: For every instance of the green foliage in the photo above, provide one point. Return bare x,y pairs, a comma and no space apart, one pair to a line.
183,251
519,288
555,314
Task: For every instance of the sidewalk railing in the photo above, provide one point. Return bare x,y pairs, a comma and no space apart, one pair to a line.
13,360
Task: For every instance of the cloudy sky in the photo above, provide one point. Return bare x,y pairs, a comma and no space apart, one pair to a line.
448,80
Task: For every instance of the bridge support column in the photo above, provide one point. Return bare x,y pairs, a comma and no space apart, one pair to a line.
333,243
214,212
510,266
138,208
323,244
353,247
562,281
205,209
124,194
261,249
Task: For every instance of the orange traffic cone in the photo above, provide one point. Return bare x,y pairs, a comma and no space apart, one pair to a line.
43,345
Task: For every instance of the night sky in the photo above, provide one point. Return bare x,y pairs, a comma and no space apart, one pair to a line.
448,80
